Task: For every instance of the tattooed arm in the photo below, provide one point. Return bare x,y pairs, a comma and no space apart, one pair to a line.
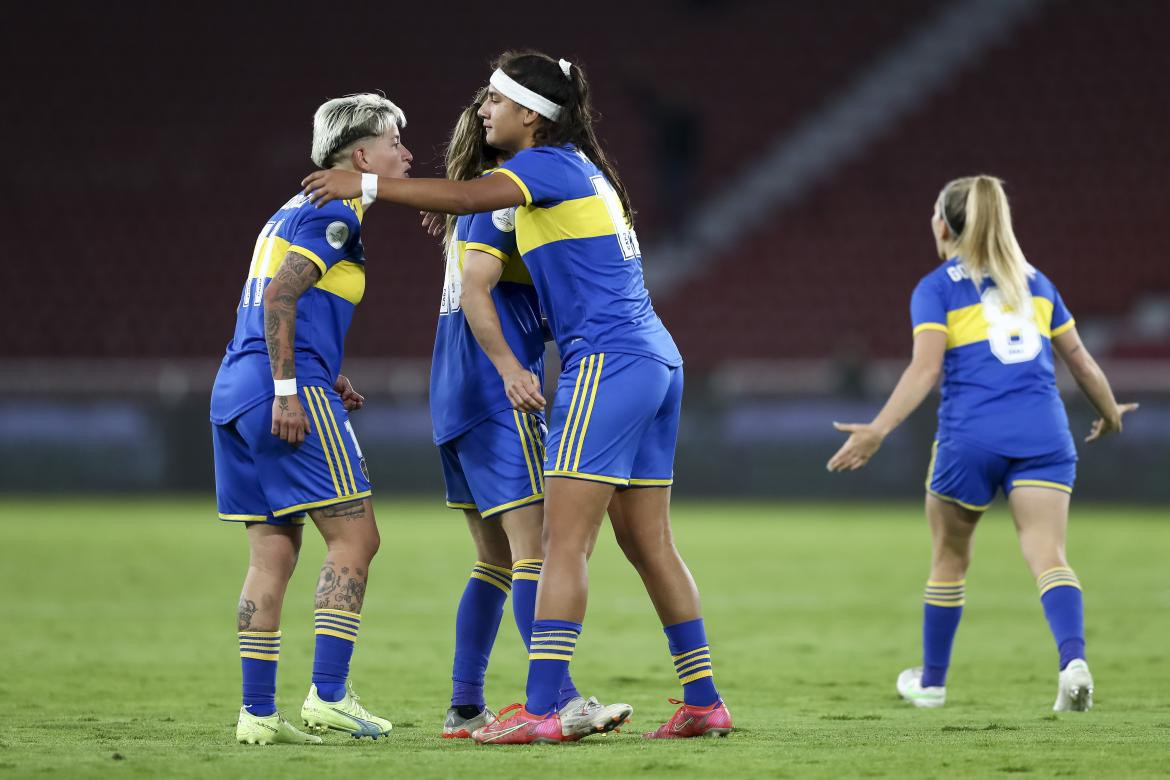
296,274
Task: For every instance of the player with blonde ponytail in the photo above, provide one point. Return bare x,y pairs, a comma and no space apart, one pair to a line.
988,323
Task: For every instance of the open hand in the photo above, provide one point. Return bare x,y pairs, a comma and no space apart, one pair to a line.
863,442
435,224
1102,427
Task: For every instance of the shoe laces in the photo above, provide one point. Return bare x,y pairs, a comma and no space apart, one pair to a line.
510,708
356,700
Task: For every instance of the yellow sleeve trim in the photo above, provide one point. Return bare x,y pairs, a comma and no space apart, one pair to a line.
311,255
487,249
1064,328
519,183
930,326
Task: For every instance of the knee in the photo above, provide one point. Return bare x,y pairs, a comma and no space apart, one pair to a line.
278,562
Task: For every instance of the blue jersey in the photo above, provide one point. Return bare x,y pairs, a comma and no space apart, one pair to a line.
999,387
329,236
584,258
465,387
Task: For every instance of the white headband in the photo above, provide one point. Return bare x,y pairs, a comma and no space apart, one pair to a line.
510,88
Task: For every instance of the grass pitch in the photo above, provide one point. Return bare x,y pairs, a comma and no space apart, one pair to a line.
120,654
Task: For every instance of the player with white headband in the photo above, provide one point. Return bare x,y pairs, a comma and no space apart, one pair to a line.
614,422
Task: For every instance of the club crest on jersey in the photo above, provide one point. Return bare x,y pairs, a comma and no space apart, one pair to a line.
505,219
336,234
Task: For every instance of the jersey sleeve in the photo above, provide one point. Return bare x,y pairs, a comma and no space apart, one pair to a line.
326,235
540,174
928,308
1062,319
494,233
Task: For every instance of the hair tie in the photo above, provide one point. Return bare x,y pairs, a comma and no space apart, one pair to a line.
565,68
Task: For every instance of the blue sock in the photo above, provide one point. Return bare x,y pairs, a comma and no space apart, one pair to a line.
259,654
941,613
336,633
692,662
525,578
549,653
476,625
1060,593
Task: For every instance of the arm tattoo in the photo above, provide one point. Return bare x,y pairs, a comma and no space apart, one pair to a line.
246,610
296,274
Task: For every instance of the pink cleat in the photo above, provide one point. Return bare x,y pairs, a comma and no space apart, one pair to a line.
523,728
688,721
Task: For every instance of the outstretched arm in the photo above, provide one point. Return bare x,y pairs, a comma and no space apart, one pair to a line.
487,193
481,273
296,274
916,383
1091,379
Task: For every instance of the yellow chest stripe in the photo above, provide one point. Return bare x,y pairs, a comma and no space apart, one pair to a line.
585,217
968,325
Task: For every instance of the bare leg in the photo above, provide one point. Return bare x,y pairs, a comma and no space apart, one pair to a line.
1041,518
491,543
272,558
952,532
641,524
573,511
351,539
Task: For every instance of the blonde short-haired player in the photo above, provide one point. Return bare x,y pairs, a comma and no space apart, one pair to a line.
284,446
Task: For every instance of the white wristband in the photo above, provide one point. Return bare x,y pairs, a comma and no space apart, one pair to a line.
369,188
285,386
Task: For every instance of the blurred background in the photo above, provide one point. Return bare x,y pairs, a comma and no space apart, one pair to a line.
784,158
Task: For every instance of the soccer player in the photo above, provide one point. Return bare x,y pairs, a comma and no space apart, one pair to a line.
616,410
989,323
283,443
493,454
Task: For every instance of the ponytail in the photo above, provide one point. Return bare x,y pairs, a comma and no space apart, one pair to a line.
976,210
547,77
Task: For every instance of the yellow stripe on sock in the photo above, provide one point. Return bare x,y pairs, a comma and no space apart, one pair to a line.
680,656
338,634
696,676
491,581
549,657
260,656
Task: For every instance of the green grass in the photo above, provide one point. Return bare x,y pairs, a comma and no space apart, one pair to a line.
120,656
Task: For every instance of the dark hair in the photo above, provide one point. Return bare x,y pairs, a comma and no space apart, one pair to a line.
467,154
543,75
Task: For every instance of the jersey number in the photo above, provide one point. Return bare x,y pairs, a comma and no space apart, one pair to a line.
627,238
1013,336
452,282
261,258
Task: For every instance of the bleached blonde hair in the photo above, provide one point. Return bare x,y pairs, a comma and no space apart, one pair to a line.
341,121
976,211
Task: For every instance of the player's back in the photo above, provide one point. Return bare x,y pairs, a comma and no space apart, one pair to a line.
330,238
584,257
999,382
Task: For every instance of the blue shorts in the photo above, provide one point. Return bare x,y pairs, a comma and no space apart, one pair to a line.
495,466
969,476
615,420
260,478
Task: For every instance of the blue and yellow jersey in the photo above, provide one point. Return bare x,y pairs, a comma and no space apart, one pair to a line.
584,258
465,388
999,387
329,236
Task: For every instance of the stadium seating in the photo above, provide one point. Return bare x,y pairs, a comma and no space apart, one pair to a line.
159,225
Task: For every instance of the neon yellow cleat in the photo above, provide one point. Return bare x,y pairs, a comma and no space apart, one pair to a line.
270,730
347,715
